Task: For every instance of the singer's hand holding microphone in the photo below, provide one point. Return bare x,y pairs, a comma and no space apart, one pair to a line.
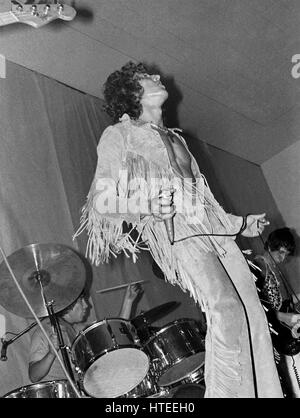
164,210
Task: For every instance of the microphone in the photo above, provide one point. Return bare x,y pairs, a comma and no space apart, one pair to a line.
3,350
169,224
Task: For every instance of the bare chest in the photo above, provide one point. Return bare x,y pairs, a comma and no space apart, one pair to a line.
179,156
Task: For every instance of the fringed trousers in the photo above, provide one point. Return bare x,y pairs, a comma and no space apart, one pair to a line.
239,360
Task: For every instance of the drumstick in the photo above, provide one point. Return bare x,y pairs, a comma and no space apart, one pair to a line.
108,289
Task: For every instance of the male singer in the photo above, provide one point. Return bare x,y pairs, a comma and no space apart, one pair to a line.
147,178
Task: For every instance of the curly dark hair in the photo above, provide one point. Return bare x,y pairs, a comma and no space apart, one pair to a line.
281,238
122,91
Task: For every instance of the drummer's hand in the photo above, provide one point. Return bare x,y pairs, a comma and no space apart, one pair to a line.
54,339
133,291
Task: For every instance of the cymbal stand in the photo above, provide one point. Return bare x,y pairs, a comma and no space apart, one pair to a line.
39,323
56,328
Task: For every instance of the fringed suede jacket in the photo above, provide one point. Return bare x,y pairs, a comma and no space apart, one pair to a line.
133,166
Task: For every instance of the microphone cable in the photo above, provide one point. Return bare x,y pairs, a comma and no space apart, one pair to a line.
243,227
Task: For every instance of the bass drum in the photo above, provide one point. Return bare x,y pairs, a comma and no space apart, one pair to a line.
178,350
51,389
109,358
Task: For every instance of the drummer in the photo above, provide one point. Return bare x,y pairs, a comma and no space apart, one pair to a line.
43,364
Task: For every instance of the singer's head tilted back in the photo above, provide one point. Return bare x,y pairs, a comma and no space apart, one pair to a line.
131,90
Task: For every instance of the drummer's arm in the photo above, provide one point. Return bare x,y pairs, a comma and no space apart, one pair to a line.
40,368
132,291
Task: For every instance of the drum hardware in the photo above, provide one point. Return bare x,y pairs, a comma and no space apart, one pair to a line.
133,337
162,393
136,340
6,343
57,329
113,338
37,267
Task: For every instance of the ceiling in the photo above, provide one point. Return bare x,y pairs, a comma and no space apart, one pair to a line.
227,63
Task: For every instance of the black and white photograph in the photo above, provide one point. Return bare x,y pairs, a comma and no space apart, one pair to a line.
149,201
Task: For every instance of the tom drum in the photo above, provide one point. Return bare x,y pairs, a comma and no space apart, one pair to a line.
178,350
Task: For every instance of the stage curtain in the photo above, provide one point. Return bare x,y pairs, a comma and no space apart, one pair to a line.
48,136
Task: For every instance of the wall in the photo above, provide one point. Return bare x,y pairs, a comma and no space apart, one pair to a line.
45,159
239,185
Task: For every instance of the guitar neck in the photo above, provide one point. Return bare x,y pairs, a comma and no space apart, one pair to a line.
36,15
7,18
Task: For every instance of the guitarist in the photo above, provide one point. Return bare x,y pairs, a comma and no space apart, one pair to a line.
281,313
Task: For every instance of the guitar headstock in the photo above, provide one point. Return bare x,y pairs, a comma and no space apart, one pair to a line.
37,15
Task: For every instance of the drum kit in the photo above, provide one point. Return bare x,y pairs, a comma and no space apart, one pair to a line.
111,358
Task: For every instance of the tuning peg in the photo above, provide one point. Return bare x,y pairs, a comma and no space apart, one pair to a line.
34,9
46,9
60,8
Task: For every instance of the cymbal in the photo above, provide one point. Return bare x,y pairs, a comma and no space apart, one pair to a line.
154,313
59,269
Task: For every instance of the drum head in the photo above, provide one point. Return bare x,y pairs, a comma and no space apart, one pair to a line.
182,369
116,373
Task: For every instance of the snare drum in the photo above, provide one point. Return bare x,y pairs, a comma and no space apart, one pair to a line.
178,349
51,389
109,358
